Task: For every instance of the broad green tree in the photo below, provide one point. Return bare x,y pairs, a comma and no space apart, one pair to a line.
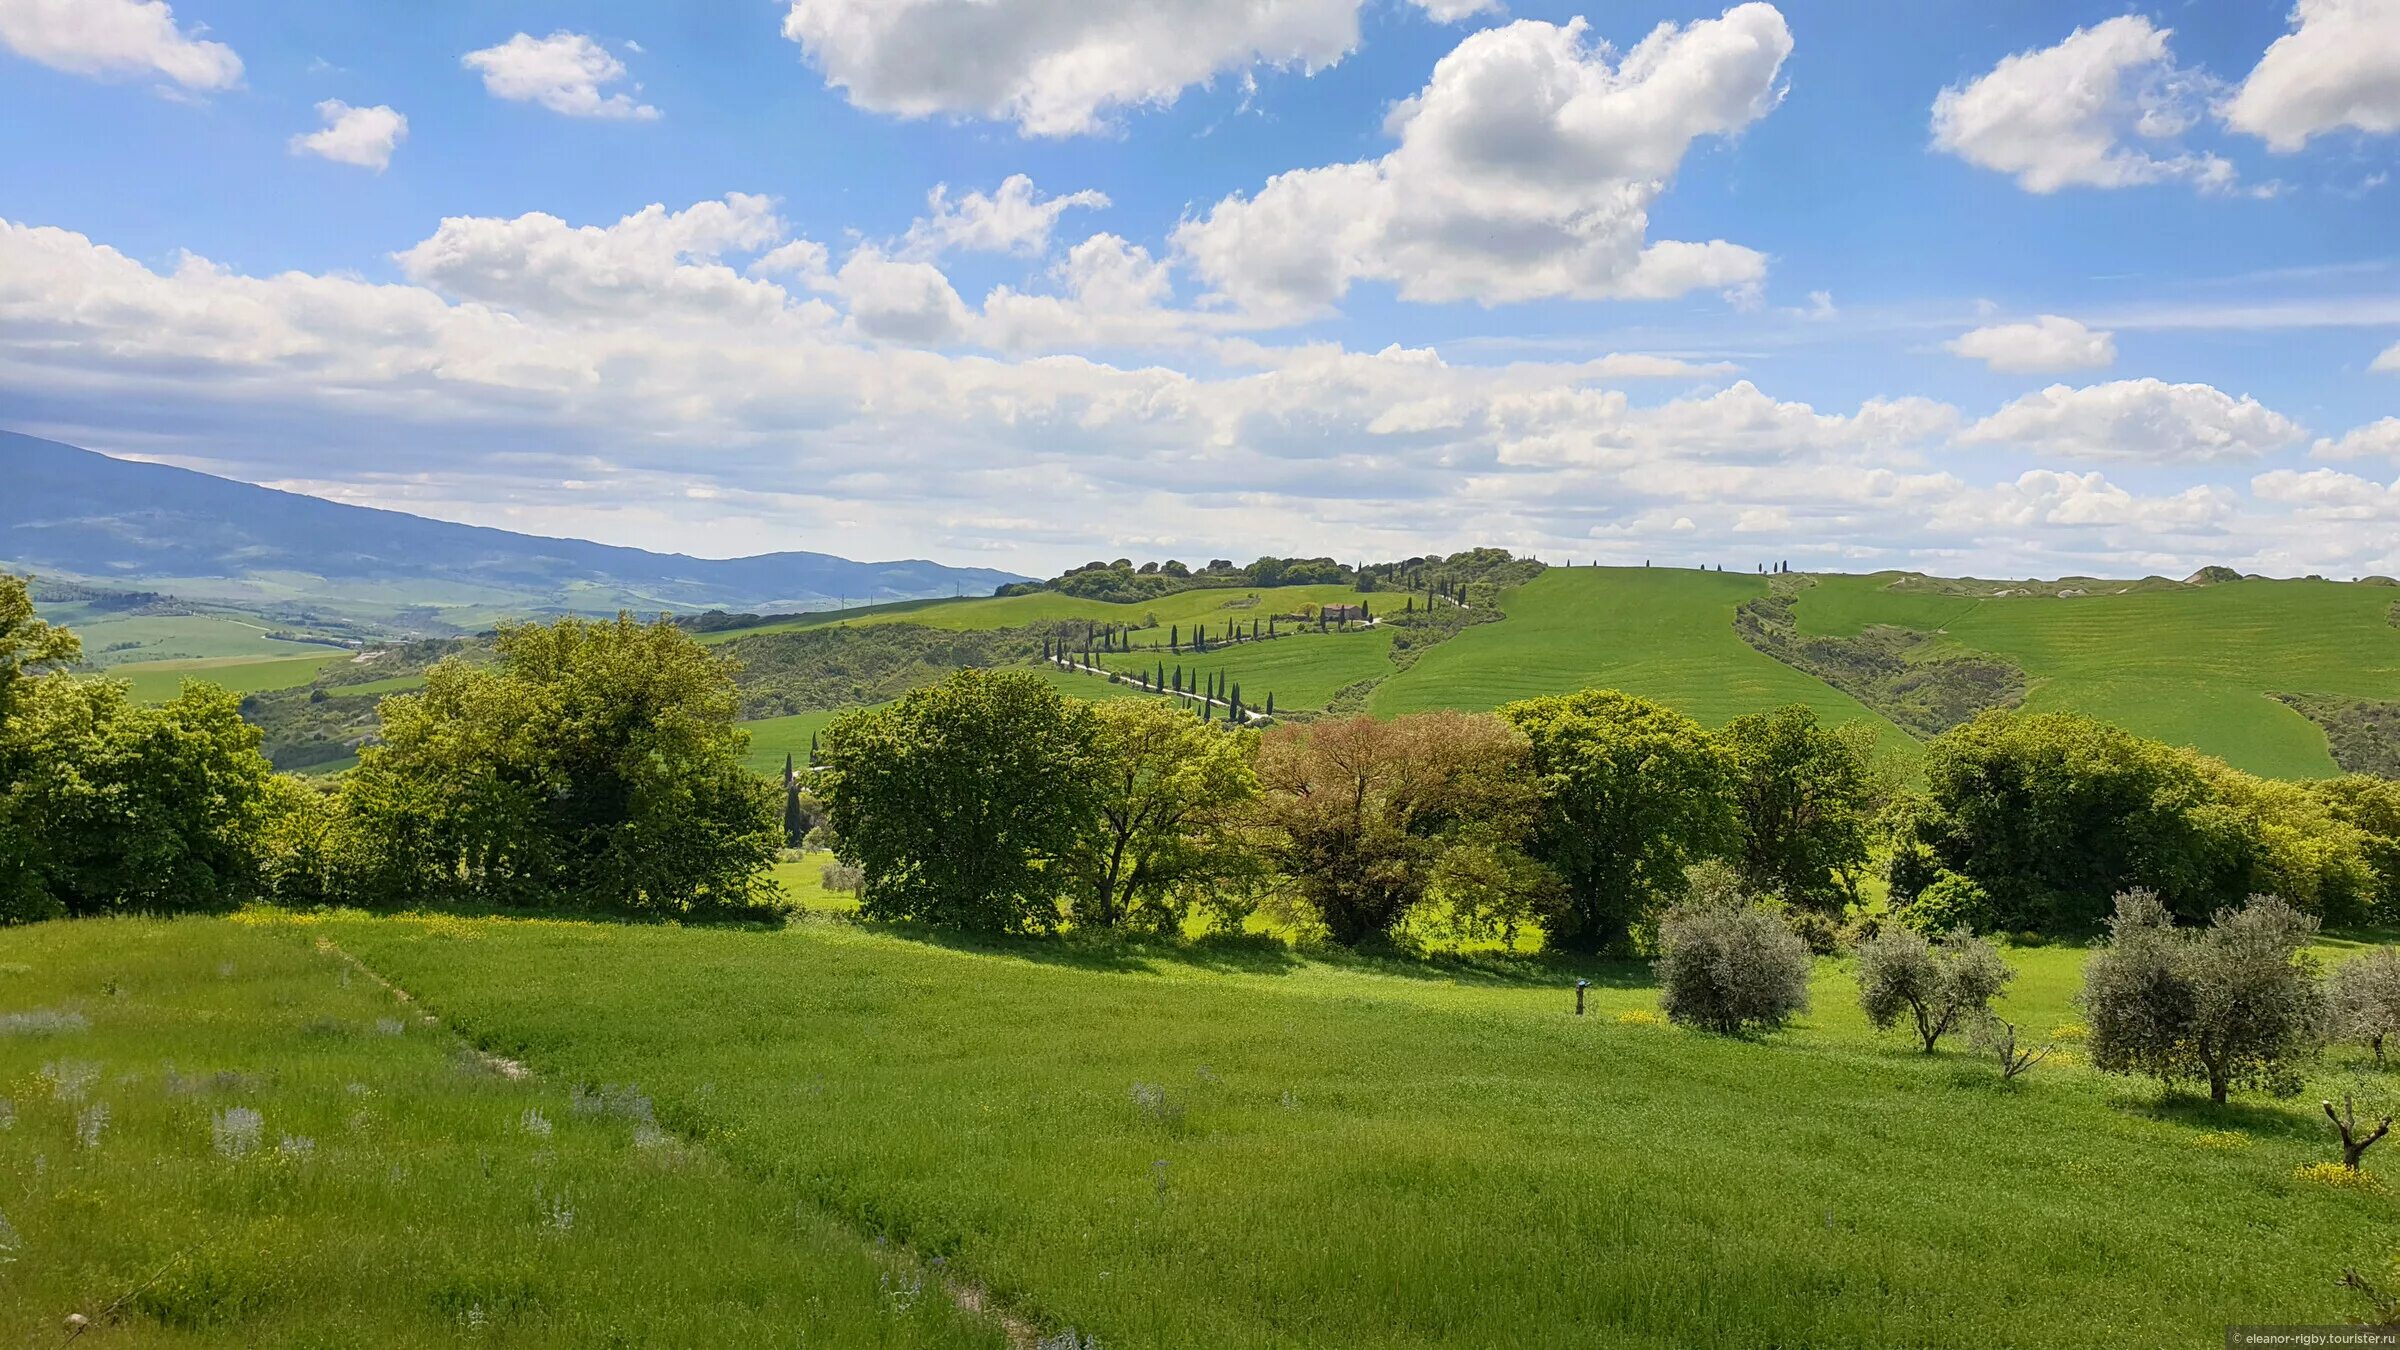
1631,794
591,765
964,802
111,806
1168,792
1357,815
2051,813
1804,795
29,647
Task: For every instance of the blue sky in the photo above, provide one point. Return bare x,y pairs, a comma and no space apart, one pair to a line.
2173,229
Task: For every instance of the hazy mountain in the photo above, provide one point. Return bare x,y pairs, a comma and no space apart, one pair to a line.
67,512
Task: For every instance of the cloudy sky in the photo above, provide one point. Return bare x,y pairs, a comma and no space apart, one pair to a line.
2004,289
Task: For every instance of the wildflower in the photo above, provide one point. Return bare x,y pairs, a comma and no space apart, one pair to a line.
70,1079
2337,1176
8,1114
1641,1017
902,1291
1290,1102
535,1123
649,1136
1067,1340
297,1146
2069,1033
558,1213
235,1131
2224,1139
89,1122
43,1022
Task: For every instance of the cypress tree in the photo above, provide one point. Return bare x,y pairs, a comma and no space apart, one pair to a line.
794,824
1174,637
812,752
788,774
1270,703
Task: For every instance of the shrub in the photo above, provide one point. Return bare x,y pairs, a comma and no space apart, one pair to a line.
1940,984
1730,964
1950,901
2238,1002
842,878
2363,999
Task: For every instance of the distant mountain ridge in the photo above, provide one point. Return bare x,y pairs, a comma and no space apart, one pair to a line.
70,512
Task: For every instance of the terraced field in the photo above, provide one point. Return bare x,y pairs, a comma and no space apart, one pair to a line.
2189,665
1662,633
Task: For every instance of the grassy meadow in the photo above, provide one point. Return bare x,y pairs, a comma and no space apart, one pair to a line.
1302,671
2188,665
158,681
1663,633
1213,1144
224,1134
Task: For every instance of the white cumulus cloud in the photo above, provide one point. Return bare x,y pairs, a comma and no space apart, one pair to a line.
563,72
1058,67
2147,421
1526,168
2338,67
2390,360
2376,440
117,37
654,260
362,136
1013,219
2049,343
2102,109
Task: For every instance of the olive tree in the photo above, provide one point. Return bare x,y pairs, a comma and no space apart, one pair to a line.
1729,962
2363,1000
2236,1003
1941,984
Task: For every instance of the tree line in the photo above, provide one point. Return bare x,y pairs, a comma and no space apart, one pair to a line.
976,802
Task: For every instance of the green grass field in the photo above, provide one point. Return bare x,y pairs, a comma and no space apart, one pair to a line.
185,637
392,1189
158,681
1241,1146
1662,633
2192,666
1302,671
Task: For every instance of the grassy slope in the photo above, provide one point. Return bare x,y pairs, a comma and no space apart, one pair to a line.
2192,666
1015,611
1354,1155
422,1216
771,738
1662,633
183,637
158,681
1301,671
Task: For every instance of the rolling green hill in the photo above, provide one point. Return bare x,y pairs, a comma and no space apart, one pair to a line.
1212,606
2192,665
1662,633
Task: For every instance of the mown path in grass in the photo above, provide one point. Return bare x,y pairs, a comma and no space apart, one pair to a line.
1663,633
2187,665
1238,1146
390,1189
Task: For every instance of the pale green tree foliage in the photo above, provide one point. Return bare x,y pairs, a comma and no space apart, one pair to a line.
1728,961
1169,791
1941,984
2236,1003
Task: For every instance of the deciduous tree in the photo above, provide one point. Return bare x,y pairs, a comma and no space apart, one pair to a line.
1167,793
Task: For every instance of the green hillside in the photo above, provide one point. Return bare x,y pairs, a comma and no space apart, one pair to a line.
1302,672
158,681
1662,633
2193,665
1213,606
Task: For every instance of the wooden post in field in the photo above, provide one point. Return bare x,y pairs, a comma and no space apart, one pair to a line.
1580,986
